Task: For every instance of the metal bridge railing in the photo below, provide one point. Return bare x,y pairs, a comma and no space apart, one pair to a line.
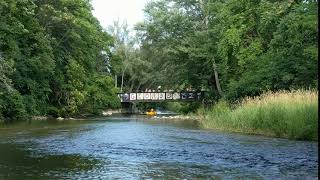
160,96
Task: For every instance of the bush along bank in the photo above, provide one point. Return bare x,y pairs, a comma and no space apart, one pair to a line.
292,115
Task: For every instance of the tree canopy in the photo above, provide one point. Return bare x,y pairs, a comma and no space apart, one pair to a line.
54,56
242,47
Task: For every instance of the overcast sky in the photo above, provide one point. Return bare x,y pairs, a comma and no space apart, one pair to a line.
108,11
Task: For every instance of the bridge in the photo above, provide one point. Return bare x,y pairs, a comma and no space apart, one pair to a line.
160,96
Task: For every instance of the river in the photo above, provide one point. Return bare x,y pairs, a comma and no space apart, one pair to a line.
136,148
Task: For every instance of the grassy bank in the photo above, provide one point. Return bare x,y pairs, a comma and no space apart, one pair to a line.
291,115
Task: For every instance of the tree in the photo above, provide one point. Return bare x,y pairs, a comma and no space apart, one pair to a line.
51,53
5,70
243,47
126,59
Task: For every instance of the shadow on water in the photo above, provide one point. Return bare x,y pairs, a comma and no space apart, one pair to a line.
19,162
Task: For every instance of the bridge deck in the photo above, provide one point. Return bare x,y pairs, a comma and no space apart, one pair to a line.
160,96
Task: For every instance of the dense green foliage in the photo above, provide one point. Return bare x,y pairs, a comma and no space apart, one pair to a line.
283,114
242,48
131,71
54,57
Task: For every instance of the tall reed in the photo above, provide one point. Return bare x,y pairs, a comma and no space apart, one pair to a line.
287,114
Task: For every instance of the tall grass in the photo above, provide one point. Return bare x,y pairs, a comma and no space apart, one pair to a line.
286,114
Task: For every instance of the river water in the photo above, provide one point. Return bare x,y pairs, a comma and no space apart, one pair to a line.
133,148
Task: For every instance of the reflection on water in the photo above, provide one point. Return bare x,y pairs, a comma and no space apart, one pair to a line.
19,161
134,148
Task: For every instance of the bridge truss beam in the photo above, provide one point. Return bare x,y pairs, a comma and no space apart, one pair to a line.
160,96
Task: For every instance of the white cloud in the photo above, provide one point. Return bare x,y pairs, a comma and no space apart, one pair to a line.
107,11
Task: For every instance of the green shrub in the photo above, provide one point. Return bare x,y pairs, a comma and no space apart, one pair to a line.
12,107
173,106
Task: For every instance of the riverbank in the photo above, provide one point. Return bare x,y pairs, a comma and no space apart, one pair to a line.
292,115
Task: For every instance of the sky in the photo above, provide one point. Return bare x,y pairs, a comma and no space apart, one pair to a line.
108,11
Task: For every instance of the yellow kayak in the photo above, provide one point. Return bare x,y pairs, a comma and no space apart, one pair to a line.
152,113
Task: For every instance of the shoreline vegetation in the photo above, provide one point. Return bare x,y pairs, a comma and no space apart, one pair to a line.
57,61
285,114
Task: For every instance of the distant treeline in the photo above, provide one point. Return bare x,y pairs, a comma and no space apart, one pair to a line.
53,59
232,48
